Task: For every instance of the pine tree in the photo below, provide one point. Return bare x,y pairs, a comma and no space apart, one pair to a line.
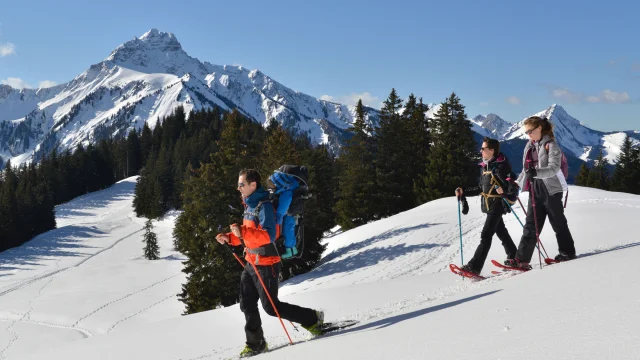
179,160
419,143
635,173
146,143
134,154
356,202
147,199
583,177
279,149
151,248
394,158
622,179
452,158
211,203
9,225
420,135
46,217
599,174
172,127
163,175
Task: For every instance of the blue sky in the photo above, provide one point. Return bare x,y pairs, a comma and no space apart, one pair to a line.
511,58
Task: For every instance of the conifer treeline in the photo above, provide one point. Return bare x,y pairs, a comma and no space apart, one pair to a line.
28,194
408,161
380,172
625,176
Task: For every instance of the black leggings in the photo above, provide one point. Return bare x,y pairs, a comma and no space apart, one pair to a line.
550,205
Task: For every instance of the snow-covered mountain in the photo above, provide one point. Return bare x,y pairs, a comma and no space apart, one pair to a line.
493,124
144,80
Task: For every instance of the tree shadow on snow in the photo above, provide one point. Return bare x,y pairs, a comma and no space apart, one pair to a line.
62,242
374,239
393,320
615,248
367,257
9,268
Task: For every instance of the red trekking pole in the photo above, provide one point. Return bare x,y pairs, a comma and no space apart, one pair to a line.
266,292
522,206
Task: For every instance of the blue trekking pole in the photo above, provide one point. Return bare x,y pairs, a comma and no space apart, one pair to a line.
460,226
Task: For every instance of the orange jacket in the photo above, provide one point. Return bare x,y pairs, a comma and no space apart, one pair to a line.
258,229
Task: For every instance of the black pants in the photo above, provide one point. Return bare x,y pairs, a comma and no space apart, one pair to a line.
492,225
251,291
550,205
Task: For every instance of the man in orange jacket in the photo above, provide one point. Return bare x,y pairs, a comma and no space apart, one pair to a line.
258,235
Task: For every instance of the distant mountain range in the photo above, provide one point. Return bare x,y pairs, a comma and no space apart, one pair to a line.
145,79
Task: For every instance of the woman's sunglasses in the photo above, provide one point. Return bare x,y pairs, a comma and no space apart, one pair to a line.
528,132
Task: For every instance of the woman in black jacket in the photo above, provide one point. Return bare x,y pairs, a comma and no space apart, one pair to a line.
495,182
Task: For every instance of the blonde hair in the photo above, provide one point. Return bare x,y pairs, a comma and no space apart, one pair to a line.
543,122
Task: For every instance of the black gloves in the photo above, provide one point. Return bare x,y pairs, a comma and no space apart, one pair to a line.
513,188
465,205
531,173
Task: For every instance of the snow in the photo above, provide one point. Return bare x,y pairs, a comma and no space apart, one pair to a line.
83,291
477,128
493,125
433,110
612,146
88,276
17,103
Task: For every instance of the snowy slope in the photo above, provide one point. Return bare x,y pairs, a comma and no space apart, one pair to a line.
16,103
88,276
143,80
87,279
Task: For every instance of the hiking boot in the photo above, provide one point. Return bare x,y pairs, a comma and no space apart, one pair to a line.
316,328
564,257
509,262
517,264
250,351
289,252
469,268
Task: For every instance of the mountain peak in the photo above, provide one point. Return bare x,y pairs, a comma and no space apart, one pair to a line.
494,124
155,52
155,37
153,41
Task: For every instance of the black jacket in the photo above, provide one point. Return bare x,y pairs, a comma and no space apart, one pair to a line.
496,172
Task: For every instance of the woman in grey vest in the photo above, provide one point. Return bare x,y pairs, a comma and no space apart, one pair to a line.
541,173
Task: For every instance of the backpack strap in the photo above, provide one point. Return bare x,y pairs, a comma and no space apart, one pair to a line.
264,250
256,211
490,194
